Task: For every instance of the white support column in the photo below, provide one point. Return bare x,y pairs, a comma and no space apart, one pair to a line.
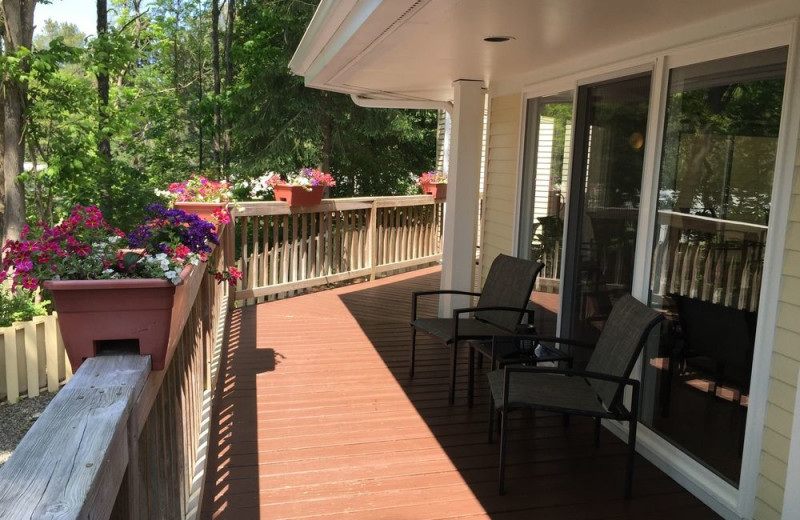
463,177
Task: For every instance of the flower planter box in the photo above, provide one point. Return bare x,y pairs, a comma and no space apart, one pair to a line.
91,311
298,195
438,190
204,210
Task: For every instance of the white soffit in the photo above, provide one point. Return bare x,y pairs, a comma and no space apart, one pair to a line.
415,49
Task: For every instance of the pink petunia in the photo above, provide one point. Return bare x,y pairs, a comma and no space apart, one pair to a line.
30,283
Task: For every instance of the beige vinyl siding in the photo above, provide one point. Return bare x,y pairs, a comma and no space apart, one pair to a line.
441,129
500,196
783,373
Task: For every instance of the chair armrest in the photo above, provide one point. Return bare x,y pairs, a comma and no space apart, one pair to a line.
472,310
551,339
571,373
417,294
469,310
444,291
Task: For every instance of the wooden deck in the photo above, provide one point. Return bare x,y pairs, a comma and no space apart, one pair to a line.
316,418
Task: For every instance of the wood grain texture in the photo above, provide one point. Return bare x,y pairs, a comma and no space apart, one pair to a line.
74,476
315,417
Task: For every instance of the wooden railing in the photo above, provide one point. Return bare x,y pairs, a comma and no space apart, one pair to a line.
122,441
283,249
710,259
32,357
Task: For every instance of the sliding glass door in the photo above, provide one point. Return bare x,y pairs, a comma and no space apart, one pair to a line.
715,184
544,198
606,180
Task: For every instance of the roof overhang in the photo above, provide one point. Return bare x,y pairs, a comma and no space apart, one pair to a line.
408,53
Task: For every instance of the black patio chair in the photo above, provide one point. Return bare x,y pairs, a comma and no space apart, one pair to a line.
500,309
596,392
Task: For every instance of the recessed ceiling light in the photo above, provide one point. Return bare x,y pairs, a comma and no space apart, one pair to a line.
498,39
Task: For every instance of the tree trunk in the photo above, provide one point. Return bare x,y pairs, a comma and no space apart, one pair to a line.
104,143
228,82
18,19
217,82
200,117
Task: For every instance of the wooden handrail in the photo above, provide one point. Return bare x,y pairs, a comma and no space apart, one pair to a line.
120,440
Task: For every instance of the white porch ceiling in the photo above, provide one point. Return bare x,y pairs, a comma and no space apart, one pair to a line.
415,49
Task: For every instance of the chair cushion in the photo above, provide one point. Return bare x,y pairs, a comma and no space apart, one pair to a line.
442,328
551,392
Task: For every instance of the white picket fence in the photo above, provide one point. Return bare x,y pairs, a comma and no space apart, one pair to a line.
32,358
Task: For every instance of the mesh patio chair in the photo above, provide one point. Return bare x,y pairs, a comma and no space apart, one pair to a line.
596,392
500,309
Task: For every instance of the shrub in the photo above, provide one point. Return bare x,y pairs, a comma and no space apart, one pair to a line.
19,306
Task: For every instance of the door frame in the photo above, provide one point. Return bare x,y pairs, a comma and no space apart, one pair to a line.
721,496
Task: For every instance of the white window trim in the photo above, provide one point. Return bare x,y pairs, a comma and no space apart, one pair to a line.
724,498
791,500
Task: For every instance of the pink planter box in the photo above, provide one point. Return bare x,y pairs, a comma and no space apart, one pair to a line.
90,311
204,210
438,190
299,196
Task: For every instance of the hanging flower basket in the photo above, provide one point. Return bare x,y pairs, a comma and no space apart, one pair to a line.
437,189
298,195
92,311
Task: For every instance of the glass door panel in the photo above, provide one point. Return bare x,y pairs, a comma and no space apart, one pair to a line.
611,120
715,185
544,186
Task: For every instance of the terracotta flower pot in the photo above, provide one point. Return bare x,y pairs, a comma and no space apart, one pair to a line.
438,190
204,210
91,311
298,195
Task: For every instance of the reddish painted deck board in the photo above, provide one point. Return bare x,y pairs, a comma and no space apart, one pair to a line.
316,417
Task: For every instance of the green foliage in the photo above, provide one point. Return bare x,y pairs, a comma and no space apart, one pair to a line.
282,125
160,116
19,306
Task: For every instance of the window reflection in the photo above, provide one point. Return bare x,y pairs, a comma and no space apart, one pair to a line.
712,220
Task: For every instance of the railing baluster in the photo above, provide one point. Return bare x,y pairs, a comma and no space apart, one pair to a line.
303,246
246,282
312,245
265,251
254,252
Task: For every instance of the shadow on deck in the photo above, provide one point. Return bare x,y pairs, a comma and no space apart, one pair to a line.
316,417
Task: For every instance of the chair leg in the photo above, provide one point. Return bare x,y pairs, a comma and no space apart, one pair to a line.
451,398
492,412
503,445
597,423
471,376
413,351
631,456
633,421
